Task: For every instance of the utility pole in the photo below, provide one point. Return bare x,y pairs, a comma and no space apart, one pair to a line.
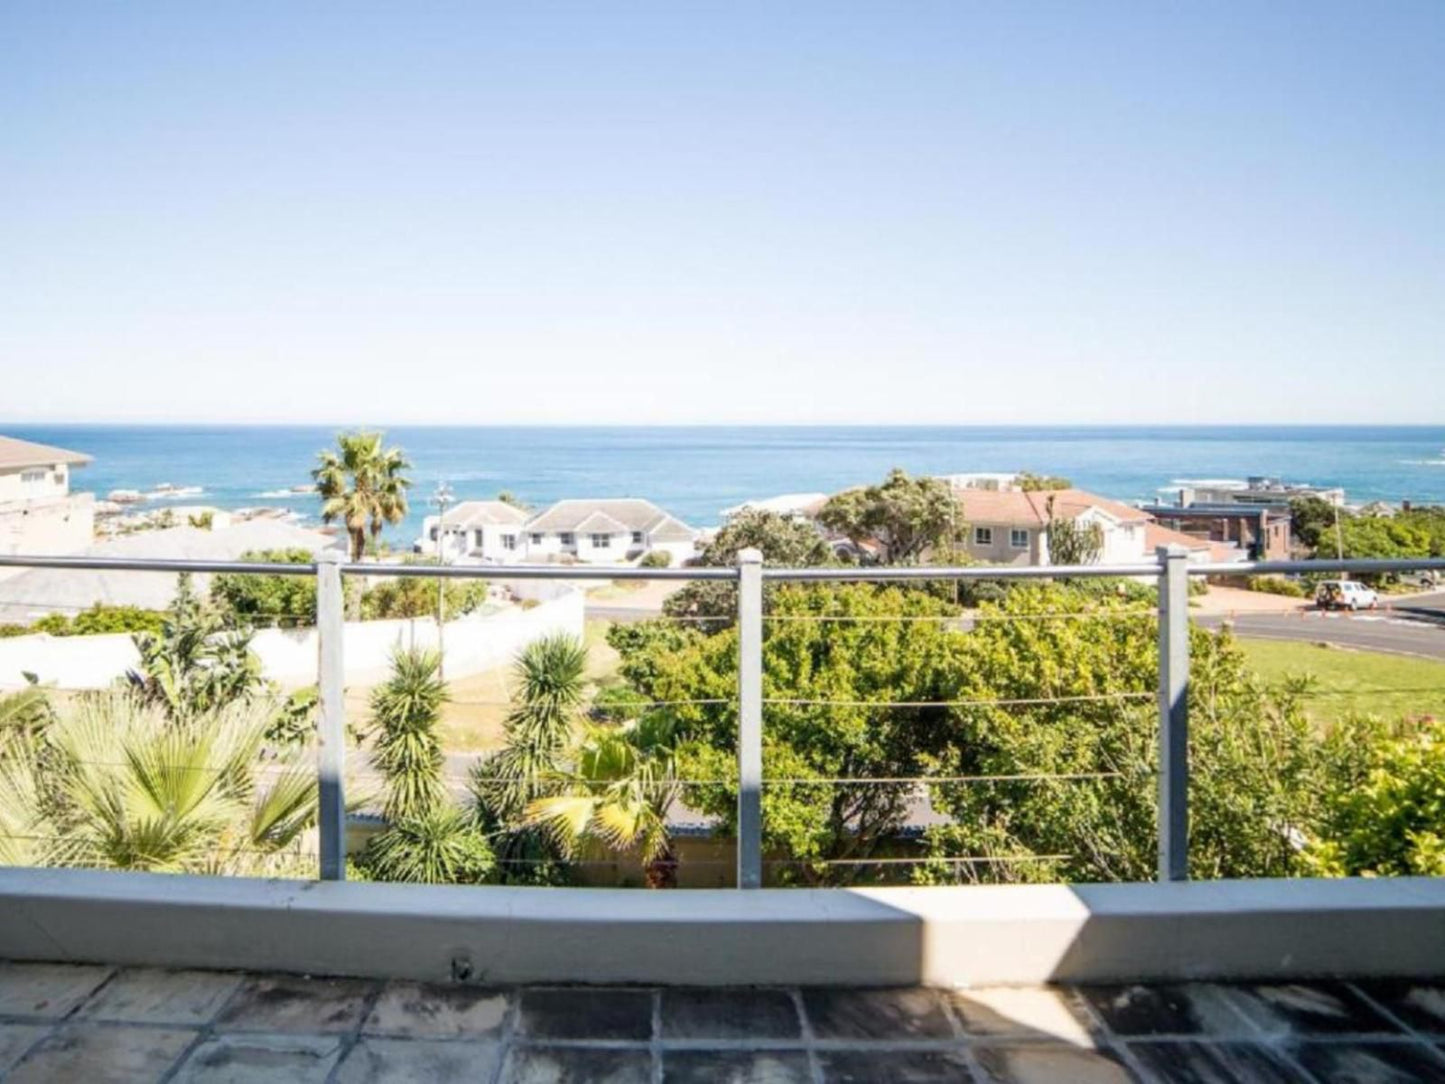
1339,540
441,498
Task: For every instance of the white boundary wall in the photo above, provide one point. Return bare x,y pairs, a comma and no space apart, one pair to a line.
473,643
886,936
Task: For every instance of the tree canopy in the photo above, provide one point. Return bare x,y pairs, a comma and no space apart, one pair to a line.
363,485
907,517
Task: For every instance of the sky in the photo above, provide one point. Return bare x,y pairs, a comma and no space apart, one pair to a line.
678,213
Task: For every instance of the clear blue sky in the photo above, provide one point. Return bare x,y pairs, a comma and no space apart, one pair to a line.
685,212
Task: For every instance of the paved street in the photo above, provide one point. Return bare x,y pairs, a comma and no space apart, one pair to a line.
1418,631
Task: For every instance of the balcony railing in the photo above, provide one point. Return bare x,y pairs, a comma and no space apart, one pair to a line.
1171,570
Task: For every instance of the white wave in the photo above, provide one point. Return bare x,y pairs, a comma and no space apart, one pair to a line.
271,494
1421,462
1217,483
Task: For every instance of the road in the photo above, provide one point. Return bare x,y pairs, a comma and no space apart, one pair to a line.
1415,626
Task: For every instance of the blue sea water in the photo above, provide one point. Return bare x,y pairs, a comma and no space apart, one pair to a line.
695,472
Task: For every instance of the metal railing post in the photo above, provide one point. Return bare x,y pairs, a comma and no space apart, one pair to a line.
1173,713
750,718
331,724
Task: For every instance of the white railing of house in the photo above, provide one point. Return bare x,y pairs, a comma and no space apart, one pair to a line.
1171,569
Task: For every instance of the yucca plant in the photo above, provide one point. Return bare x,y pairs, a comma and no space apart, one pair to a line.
405,712
441,846
551,679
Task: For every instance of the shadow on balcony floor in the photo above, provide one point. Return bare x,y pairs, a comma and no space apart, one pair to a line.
62,1022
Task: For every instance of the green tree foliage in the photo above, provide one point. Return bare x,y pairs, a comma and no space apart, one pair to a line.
195,664
1312,523
1075,778
413,596
1030,482
830,656
784,542
506,496
97,620
274,600
115,783
907,517
655,559
405,749
363,486
1072,542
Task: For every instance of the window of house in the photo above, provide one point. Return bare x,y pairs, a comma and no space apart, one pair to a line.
637,538
432,534
30,477
568,538
509,541
1018,538
477,534
601,541
983,536
536,539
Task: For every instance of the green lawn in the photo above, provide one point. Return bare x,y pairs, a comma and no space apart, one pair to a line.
1355,681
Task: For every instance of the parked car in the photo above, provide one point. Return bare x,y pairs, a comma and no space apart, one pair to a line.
1425,578
1345,595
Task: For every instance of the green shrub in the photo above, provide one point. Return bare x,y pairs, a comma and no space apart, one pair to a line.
97,620
655,559
617,704
413,596
1385,812
284,601
1276,585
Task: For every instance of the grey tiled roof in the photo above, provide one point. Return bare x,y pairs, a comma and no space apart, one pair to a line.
15,453
628,513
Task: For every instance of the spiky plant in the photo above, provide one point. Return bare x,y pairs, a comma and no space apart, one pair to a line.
119,784
406,750
441,846
551,677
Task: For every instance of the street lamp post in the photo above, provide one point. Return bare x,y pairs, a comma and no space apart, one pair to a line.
441,498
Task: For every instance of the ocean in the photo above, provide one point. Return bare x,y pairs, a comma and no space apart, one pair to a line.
695,472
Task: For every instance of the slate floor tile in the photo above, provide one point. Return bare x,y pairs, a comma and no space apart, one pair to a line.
577,1065
1421,1005
15,1039
47,990
102,1052
729,1014
1178,1009
418,1061
1380,1062
894,1014
1322,1008
586,1014
895,1066
1023,1012
1213,1063
736,1067
418,1010
1050,1063
261,1059
162,997
296,1003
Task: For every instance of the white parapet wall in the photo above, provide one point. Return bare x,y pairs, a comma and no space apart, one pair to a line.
889,936
473,643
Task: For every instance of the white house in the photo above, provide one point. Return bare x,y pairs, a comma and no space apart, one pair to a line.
618,530
1011,527
801,507
38,513
489,532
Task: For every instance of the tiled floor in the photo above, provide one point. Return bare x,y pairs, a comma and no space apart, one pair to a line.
67,1023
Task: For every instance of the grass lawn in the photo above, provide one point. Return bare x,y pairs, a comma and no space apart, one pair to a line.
1349,681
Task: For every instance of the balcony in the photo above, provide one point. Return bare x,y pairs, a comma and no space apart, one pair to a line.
1288,979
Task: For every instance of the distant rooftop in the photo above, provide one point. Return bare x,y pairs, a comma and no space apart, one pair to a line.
16,454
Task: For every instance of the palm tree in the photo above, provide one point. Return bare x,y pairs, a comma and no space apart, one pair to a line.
362,484
551,673
622,781
119,784
405,711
